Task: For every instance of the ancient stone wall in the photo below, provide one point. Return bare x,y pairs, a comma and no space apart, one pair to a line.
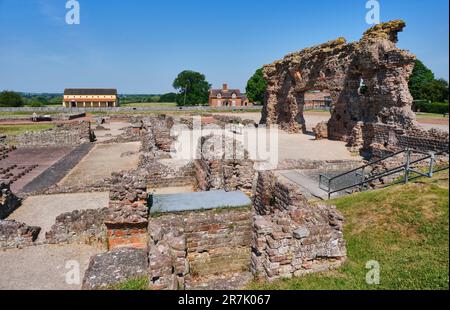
387,139
8,201
291,237
14,234
198,244
340,68
60,135
79,226
217,169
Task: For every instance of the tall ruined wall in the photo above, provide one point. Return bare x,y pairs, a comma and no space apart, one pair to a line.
339,68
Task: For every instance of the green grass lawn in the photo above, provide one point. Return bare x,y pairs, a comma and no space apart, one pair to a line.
430,115
404,228
14,130
150,104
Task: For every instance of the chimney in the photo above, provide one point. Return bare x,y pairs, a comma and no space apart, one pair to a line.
225,87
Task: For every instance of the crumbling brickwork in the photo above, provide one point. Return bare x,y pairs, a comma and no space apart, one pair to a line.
198,244
14,234
340,68
60,135
8,201
228,168
80,226
291,237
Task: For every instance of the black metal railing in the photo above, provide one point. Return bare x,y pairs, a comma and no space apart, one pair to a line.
360,178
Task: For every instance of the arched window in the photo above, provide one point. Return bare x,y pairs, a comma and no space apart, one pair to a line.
219,95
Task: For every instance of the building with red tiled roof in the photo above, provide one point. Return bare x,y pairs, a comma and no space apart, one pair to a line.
226,97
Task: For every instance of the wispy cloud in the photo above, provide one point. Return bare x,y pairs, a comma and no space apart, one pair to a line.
52,10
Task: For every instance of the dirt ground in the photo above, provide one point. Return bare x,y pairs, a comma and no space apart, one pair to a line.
101,161
42,210
44,267
113,130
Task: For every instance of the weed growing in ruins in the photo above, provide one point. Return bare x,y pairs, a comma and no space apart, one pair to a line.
140,284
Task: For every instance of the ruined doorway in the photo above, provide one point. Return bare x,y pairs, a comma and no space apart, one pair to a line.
315,110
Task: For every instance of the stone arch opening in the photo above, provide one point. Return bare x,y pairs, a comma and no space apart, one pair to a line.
367,81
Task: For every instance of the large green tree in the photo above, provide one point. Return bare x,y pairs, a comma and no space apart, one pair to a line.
169,97
10,99
193,89
424,86
420,77
436,91
256,87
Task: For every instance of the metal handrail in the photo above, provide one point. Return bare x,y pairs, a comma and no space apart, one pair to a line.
360,172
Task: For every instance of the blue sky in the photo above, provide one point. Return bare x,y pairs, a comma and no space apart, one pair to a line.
139,46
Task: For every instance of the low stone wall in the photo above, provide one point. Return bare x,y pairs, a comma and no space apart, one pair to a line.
291,237
229,175
127,225
85,227
8,201
198,244
172,182
60,135
321,165
14,234
388,139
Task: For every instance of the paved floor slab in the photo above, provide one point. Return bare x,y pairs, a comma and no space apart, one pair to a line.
101,162
44,267
42,210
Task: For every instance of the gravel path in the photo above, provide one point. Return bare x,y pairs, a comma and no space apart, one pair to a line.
43,267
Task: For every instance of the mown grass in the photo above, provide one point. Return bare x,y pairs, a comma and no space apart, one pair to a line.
404,228
15,130
430,115
150,104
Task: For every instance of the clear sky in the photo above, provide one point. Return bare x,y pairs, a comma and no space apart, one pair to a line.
139,46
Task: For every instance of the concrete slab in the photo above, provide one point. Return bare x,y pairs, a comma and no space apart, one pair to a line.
42,210
199,201
101,162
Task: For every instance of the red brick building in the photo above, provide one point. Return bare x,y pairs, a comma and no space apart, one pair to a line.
227,98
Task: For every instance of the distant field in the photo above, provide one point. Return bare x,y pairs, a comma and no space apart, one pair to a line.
15,130
150,104
22,114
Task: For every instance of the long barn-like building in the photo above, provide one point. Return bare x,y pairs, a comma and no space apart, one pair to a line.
90,98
